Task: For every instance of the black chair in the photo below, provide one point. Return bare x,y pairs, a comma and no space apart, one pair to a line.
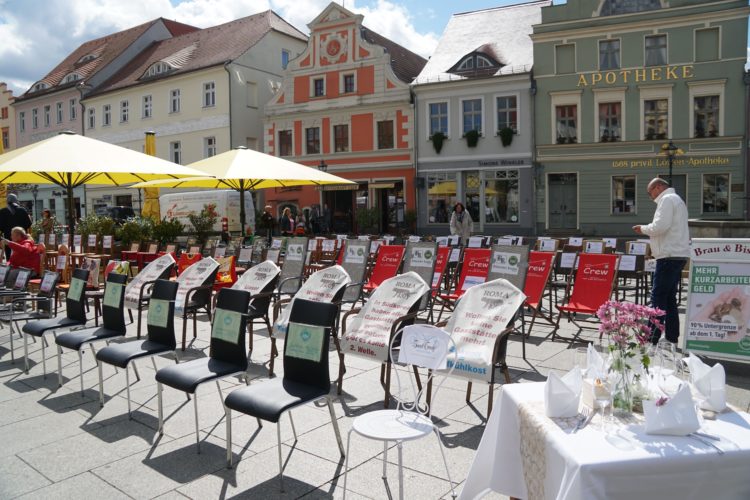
305,380
196,299
43,301
260,304
160,337
113,325
227,354
75,315
144,293
17,283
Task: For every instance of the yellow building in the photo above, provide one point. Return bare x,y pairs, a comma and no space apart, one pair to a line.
7,118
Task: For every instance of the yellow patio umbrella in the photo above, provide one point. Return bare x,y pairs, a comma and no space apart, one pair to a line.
244,169
150,206
70,160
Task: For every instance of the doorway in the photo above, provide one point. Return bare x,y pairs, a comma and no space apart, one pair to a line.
562,204
473,196
390,205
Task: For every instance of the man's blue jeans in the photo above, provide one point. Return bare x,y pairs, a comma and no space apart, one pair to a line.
664,296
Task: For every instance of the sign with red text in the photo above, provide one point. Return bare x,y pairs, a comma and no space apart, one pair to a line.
475,266
153,271
257,278
194,276
537,275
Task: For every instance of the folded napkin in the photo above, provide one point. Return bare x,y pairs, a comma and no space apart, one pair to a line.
709,382
562,394
676,417
595,363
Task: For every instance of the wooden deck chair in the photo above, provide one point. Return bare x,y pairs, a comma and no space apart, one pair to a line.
396,301
593,285
138,291
563,271
475,265
480,326
438,276
194,293
537,278
387,264
421,257
631,267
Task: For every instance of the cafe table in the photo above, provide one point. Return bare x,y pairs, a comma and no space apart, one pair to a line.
525,454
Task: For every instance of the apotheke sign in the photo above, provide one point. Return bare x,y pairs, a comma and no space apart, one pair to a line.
625,76
705,161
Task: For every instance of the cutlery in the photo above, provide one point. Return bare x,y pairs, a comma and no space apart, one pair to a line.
587,415
705,441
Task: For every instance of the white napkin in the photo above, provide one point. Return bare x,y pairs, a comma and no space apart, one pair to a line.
710,382
562,394
676,417
596,366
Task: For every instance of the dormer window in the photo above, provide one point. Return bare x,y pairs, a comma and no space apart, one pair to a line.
158,68
87,58
71,77
39,86
476,63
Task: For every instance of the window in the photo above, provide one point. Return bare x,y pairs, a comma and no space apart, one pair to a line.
73,111
146,106
655,119
6,139
72,77
566,118
565,59
610,121
501,197
340,138
471,113
58,112
319,88
124,111
716,193
441,196
174,101
39,86
22,121
656,50
284,58
438,117
312,140
285,143
47,113
609,54
157,69
209,95
707,45
209,147
124,200
106,115
92,117
175,152
385,134
348,86
466,65
507,113
35,118
623,194
706,116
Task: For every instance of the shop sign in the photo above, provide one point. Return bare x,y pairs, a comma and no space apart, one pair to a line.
625,76
705,161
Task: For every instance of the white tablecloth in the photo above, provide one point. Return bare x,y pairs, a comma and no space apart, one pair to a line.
585,465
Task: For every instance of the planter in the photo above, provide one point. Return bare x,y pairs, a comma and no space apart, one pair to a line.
506,136
472,138
437,141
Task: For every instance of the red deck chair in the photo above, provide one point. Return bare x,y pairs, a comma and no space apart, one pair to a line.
386,266
537,277
594,283
441,264
475,266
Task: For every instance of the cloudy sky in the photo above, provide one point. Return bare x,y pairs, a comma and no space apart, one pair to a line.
38,34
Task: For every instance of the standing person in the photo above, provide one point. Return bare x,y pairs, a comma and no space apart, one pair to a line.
461,223
266,223
327,223
14,215
286,222
48,223
670,245
24,251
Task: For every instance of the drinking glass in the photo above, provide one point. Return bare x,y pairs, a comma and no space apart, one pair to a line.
603,397
581,359
666,353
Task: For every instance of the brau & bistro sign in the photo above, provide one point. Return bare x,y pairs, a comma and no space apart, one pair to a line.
624,76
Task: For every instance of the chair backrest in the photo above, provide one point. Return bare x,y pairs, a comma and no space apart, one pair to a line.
186,260
228,326
441,264
160,317
21,281
75,301
170,248
135,246
107,242
421,258
307,342
201,273
354,261
594,280
566,261
475,242
47,287
387,263
630,266
91,243
294,263
509,262
537,276
4,272
219,251
475,265
158,269
113,317
227,272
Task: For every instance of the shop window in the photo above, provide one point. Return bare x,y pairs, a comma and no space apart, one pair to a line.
623,194
707,45
610,121
566,118
507,113
706,116
565,59
656,50
385,134
285,143
609,54
340,138
441,196
471,114
716,193
124,200
501,199
438,117
312,140
655,119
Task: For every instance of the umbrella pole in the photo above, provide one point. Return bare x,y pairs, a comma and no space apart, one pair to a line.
71,210
242,208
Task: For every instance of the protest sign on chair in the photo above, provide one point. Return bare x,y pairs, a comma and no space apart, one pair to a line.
537,279
194,293
475,266
137,292
421,258
387,264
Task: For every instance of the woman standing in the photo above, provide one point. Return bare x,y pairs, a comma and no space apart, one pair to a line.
47,223
286,223
461,223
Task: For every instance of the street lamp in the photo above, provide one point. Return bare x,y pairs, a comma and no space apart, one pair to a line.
34,193
323,166
670,151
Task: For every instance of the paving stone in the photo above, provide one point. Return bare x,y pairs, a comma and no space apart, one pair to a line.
18,478
81,487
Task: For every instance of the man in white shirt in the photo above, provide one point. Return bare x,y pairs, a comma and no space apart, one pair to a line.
670,246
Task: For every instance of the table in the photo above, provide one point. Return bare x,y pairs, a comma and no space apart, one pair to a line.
586,465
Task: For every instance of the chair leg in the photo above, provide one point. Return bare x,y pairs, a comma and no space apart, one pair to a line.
44,360
228,417
161,410
281,465
385,459
184,331
135,370
387,400
346,462
101,384
294,430
12,354
59,367
80,368
140,312
197,432
274,353
342,370
26,353
127,390
400,470
335,425
445,462
468,392
195,323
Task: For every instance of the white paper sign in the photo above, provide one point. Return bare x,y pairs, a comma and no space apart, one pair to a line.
107,242
369,333
638,248
415,239
219,252
455,255
329,245
627,262
504,241
594,246
355,254
62,261
475,242
340,237
547,245
65,240
422,257
454,239
149,273
471,281
650,265
575,241
273,255
442,241
505,263
610,242
77,240
375,245
568,260
257,278
194,276
92,240
295,252
246,255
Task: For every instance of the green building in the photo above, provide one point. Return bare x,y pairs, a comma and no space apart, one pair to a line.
616,80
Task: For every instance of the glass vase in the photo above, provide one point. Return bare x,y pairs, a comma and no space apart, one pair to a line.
622,390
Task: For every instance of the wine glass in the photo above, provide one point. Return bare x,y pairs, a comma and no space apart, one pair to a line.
603,396
581,359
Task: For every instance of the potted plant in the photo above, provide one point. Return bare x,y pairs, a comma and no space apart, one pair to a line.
506,136
203,222
166,231
472,138
135,229
437,140
367,220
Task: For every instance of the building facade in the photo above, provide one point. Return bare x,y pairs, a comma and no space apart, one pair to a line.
616,81
345,105
7,118
478,82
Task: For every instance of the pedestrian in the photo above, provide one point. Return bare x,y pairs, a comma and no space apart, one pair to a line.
47,223
266,223
327,222
286,222
461,223
24,251
670,246
14,215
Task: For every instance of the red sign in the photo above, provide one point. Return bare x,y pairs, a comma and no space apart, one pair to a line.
537,275
387,264
593,283
475,268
